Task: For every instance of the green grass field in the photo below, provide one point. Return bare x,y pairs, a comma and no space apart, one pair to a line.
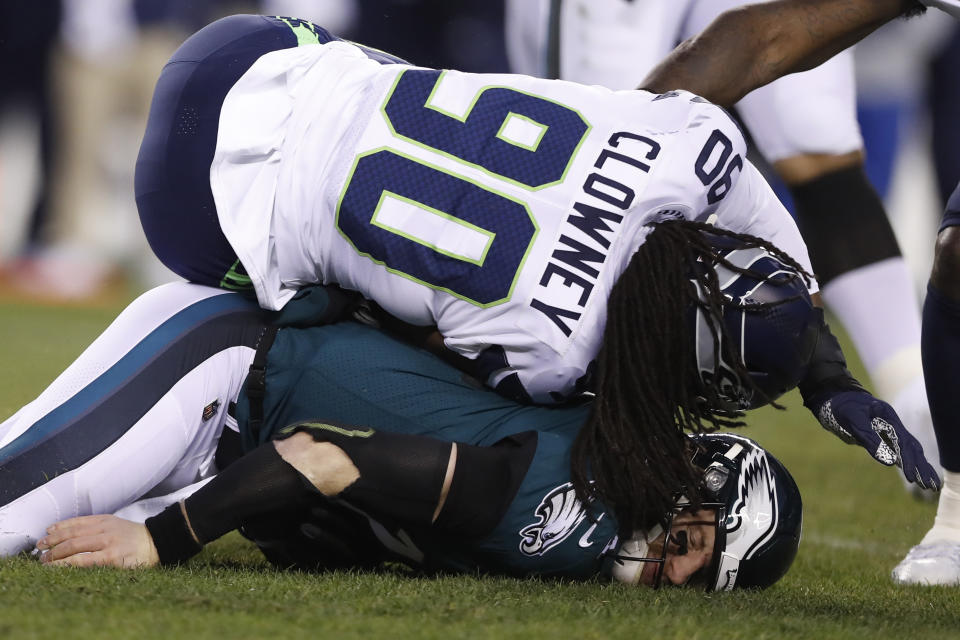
859,522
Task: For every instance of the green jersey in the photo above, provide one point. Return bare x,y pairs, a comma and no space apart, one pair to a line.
353,374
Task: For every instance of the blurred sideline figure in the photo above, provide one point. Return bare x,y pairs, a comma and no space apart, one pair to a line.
100,64
103,81
900,122
805,125
892,94
29,32
724,63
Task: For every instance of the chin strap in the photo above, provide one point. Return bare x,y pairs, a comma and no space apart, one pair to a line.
631,557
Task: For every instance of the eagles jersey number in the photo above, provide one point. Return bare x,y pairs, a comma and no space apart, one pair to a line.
513,136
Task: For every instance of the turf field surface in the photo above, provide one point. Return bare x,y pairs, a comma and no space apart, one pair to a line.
859,522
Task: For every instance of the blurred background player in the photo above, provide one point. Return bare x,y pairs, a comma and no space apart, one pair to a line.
29,33
76,79
805,125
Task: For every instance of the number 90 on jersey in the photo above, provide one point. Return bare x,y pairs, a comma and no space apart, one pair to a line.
444,230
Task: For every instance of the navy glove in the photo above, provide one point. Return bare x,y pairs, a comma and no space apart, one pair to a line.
848,410
856,417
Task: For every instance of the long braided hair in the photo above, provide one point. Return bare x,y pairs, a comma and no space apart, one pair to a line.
632,455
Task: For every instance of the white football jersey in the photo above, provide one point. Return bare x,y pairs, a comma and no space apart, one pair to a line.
616,44
501,208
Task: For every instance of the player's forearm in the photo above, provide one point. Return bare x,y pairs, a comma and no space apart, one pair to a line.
411,480
749,47
259,482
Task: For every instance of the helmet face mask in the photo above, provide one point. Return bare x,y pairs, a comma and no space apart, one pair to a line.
652,548
757,519
766,322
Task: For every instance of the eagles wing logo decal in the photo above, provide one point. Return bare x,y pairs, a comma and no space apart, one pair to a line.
753,517
559,514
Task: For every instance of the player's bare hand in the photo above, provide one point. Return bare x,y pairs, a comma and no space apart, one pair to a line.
98,541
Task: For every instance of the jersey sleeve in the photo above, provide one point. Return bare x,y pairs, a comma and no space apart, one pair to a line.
702,155
752,207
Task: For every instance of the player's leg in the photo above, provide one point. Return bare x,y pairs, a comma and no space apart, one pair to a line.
172,180
606,42
862,271
140,409
525,29
936,560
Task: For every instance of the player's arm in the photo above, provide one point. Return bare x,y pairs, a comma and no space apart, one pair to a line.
833,395
838,401
414,481
751,46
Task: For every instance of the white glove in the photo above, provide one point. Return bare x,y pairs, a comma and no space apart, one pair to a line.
950,6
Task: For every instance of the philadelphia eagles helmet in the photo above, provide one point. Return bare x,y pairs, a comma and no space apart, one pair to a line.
758,516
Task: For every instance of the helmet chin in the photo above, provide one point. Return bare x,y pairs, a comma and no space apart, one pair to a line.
631,557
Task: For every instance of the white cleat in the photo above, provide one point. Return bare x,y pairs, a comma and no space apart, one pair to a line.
935,563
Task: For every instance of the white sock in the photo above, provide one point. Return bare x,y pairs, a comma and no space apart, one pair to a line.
946,526
879,308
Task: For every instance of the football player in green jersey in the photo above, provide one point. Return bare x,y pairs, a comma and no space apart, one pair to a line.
447,475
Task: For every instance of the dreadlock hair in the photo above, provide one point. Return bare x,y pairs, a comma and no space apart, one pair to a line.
633,455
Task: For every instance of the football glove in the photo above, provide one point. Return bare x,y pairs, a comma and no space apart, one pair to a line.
856,417
852,413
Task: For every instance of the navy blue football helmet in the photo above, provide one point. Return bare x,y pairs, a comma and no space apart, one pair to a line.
758,515
769,321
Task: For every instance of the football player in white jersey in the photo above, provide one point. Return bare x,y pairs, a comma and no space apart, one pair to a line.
499,208
510,212
800,35
805,125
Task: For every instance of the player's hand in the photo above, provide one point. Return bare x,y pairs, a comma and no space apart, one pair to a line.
856,417
98,541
